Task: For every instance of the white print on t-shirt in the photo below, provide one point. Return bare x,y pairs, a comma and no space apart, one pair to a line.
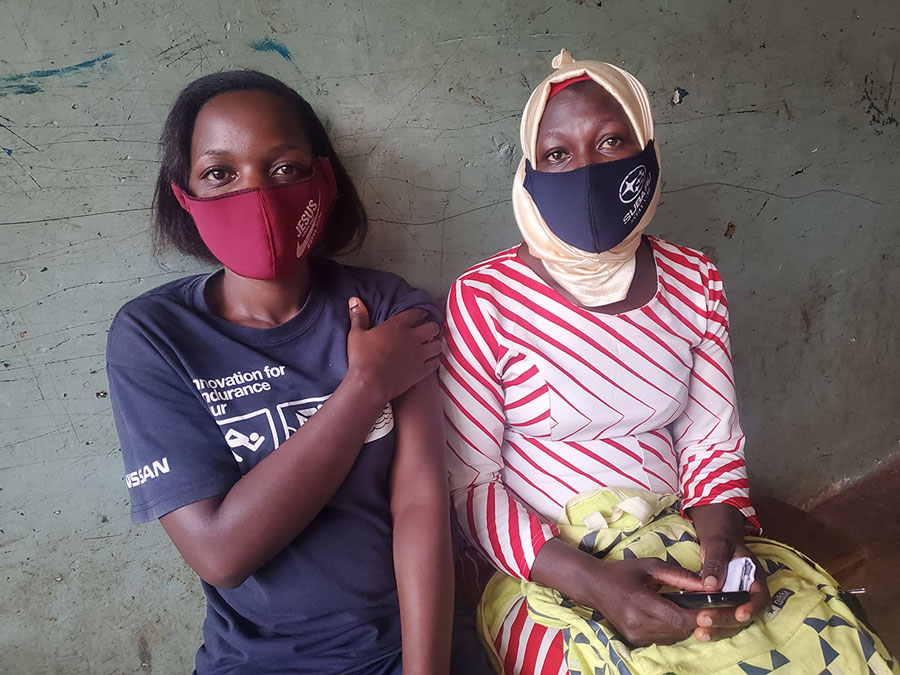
238,384
236,439
248,433
294,414
147,472
256,431
383,425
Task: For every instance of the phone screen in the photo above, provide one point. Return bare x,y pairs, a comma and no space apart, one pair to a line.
704,600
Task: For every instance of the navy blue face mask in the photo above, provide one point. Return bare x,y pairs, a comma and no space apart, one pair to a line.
596,207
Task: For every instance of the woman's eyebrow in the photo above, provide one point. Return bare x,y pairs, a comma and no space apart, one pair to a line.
215,152
285,146
565,128
282,147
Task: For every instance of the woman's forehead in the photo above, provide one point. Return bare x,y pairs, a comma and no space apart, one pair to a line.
587,97
248,112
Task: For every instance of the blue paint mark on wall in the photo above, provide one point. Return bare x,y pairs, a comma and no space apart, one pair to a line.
19,89
270,45
7,151
29,83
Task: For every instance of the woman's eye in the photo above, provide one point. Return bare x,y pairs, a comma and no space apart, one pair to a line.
216,175
556,155
295,171
611,142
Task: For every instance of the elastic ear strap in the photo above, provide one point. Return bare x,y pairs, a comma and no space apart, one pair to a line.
181,197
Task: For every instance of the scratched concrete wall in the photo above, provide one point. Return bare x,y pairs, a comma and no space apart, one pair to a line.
780,161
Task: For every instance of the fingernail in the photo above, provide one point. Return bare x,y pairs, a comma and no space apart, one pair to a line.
704,620
709,582
702,636
354,303
742,616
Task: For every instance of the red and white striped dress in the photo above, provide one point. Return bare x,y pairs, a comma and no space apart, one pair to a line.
545,400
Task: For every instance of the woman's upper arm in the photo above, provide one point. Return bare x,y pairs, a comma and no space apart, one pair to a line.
419,469
473,395
709,440
475,421
421,533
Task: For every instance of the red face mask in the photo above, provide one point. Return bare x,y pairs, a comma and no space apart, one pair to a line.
263,233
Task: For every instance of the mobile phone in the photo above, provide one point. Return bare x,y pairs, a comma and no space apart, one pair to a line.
707,600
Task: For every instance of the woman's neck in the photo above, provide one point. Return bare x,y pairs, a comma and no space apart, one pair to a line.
257,303
643,285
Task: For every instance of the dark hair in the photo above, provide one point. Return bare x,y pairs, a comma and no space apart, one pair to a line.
174,228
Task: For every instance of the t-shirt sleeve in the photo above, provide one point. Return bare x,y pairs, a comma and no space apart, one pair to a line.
386,294
173,451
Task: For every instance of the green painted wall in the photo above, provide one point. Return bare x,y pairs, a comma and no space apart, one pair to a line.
789,130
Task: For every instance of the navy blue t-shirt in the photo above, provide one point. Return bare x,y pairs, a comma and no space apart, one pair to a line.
199,401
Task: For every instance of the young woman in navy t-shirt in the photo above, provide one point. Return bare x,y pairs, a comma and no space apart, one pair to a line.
280,416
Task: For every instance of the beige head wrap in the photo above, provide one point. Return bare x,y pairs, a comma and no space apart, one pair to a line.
594,279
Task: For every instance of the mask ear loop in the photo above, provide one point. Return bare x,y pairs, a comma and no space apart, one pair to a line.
181,196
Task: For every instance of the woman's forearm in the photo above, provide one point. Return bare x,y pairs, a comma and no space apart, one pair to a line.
564,568
422,564
225,539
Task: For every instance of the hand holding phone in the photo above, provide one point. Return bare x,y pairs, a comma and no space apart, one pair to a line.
741,572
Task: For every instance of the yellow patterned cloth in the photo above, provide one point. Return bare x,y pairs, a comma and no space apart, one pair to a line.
808,628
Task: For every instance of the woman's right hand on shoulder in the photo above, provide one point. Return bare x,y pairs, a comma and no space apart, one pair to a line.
394,355
625,592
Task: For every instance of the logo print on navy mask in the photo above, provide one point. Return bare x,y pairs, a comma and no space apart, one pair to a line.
632,184
596,207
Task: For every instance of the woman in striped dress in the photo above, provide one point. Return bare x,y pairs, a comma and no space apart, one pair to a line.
591,356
